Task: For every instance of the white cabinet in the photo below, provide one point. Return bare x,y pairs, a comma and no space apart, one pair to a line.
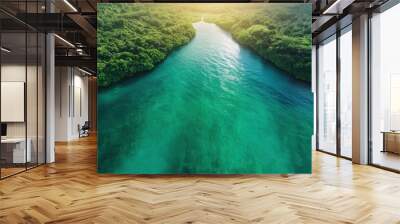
19,154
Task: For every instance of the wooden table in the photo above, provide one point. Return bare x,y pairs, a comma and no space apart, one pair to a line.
391,141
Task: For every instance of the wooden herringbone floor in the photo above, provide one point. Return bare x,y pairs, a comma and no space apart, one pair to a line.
70,191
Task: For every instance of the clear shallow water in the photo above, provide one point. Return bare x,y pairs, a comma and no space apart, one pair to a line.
213,107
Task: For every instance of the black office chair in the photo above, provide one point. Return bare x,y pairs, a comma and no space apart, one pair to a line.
84,130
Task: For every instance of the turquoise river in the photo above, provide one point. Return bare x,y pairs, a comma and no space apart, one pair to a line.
212,107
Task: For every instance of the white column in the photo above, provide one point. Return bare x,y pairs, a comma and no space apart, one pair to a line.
50,99
50,92
360,90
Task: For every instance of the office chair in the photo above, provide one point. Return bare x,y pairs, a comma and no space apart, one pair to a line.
84,130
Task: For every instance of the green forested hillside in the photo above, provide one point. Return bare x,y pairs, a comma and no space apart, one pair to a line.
133,38
280,33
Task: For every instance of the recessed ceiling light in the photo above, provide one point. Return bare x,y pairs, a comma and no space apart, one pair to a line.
70,5
5,50
84,71
337,7
65,41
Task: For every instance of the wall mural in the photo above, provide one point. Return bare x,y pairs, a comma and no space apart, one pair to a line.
204,88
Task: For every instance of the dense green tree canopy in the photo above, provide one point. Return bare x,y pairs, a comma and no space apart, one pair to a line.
134,38
280,33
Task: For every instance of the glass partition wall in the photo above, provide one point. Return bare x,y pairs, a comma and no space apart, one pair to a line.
22,77
345,91
334,93
385,89
13,90
327,95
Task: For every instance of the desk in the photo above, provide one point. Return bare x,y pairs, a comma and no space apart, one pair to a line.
391,141
18,150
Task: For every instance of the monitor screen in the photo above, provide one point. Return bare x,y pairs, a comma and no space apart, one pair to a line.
3,129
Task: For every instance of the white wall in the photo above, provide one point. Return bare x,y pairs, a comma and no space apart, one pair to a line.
71,102
33,127
80,110
62,81
17,72
14,72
